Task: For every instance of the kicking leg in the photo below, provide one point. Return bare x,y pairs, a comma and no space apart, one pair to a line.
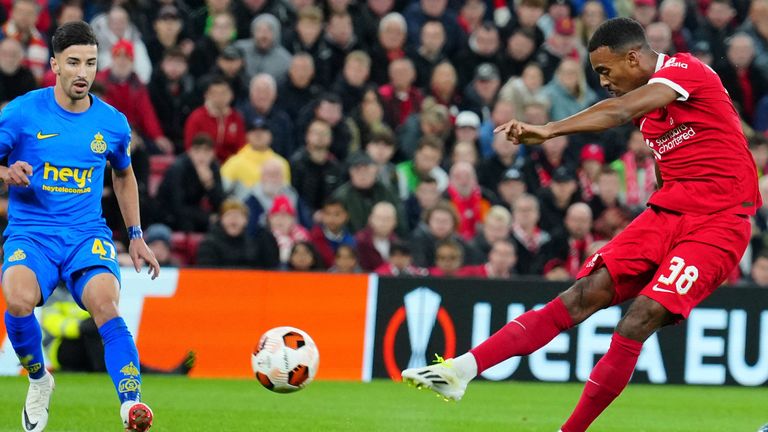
100,297
612,373
521,336
22,294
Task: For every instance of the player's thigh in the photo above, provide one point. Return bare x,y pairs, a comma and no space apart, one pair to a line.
689,274
91,272
29,274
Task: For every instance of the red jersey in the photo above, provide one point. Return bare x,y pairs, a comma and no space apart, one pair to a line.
702,154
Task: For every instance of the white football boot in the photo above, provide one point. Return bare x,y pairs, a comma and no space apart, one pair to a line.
442,377
34,416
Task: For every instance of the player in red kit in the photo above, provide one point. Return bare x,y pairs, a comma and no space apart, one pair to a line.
672,256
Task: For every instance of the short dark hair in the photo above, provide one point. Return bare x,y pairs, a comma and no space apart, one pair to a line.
73,33
215,80
618,34
174,52
334,201
202,139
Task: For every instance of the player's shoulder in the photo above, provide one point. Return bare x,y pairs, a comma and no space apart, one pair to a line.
28,102
682,62
109,114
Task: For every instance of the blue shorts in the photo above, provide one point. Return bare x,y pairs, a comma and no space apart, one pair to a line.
72,256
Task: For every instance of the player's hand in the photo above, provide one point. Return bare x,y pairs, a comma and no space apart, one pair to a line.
141,253
524,133
18,174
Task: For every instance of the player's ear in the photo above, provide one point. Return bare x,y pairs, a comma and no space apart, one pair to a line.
54,65
633,57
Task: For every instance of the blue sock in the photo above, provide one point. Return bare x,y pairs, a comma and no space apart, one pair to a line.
27,340
122,359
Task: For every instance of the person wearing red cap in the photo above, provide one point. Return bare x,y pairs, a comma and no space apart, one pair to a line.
674,254
591,162
284,226
562,43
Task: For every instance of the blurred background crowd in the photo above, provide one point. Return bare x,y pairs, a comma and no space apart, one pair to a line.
356,135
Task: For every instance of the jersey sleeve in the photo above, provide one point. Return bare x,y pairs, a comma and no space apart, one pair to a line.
120,156
10,126
682,75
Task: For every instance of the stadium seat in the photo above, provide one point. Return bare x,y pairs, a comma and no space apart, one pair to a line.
158,165
184,246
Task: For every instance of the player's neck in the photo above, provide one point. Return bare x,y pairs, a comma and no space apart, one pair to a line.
69,104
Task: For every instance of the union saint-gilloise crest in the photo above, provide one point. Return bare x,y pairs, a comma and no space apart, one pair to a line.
98,145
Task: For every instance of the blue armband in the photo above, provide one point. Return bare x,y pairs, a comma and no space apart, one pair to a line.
134,232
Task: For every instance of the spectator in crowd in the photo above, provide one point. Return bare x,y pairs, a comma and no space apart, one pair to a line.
350,85
758,146
426,196
167,34
525,89
756,25
511,187
212,44
400,263
591,164
400,98
305,36
426,162
389,46
242,171
520,51
345,260
660,38
21,27
745,81
341,40
434,120
315,171
374,241
443,87
534,245
717,26
331,232
644,12
471,15
467,129
528,14
126,92
673,13
557,10
363,191
298,88
428,53
327,107
440,223
449,259
502,109
227,245
483,48
262,94
303,258
365,119
284,226
370,14
261,197
113,27
481,92
263,52
758,274
216,117
568,92
193,178
158,238
561,44
505,156
578,237
248,10
229,65
496,226
15,78
637,173
172,92
417,13
202,19
471,201
539,169
609,214
500,262
592,15
464,151
381,148
555,199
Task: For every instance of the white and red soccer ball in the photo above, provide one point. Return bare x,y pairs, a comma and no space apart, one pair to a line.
285,360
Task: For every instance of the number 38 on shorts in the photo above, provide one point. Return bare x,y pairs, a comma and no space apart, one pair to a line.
680,276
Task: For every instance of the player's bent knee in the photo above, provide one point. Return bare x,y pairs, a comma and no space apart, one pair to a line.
589,295
643,318
21,290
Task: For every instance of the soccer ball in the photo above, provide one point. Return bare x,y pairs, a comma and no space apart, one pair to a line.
285,360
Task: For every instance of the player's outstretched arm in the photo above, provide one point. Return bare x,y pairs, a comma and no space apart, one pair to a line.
603,115
127,193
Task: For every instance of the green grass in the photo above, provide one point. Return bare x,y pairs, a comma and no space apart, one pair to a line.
88,403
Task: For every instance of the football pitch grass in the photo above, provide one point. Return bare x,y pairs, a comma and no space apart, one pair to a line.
88,403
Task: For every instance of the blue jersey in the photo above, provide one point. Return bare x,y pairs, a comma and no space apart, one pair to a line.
68,153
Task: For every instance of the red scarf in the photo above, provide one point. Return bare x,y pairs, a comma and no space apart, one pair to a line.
469,209
588,187
532,242
748,102
577,251
635,195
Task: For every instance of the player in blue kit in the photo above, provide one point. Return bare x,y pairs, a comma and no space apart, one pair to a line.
58,141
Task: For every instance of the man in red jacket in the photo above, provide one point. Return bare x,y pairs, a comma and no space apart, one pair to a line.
217,119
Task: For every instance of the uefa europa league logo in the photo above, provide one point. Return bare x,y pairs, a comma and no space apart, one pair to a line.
421,307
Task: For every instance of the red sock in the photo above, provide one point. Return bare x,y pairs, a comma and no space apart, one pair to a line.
523,335
607,380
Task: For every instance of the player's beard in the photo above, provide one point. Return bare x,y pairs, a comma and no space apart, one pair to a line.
77,93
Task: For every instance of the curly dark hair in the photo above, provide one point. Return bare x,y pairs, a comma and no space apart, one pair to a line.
618,34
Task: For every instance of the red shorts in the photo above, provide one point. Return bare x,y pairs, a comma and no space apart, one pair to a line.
675,259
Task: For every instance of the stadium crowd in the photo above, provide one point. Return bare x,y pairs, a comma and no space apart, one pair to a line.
357,135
